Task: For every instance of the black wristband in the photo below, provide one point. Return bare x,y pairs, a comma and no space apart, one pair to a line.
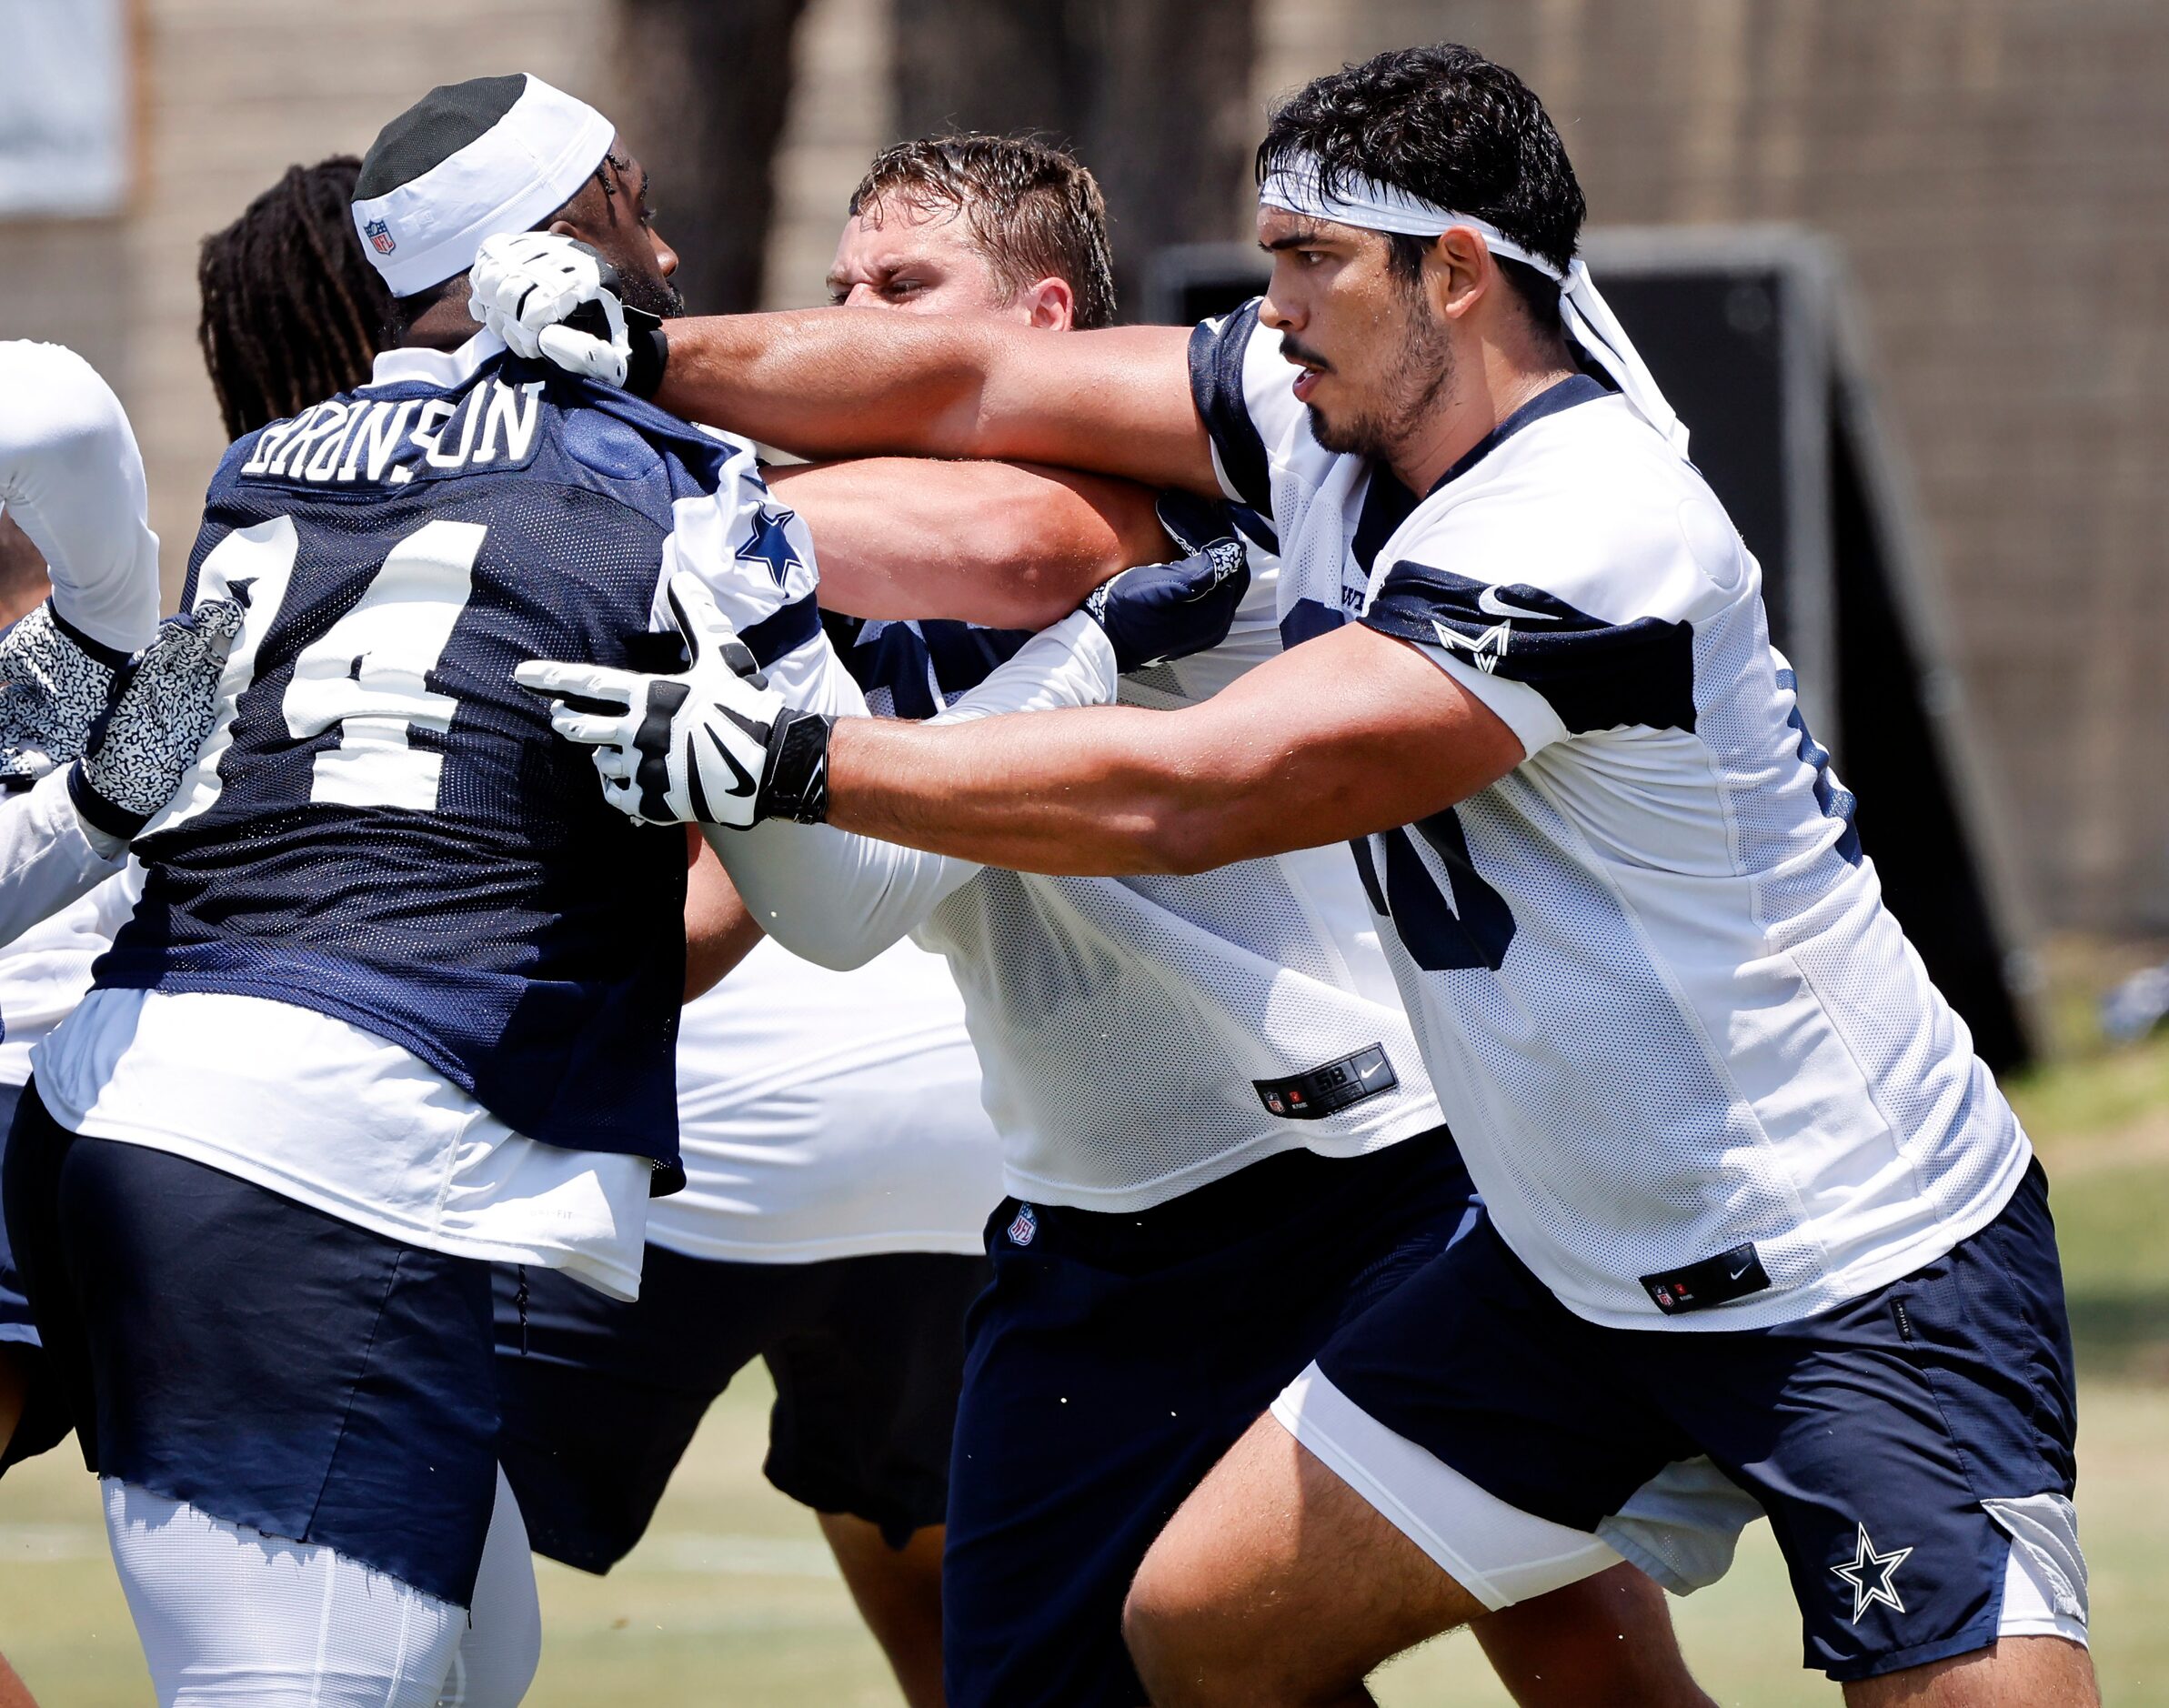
112,657
797,785
98,812
649,351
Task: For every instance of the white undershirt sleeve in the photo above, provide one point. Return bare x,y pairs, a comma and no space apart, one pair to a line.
48,857
72,479
837,898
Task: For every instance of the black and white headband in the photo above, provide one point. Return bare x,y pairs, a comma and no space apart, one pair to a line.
527,163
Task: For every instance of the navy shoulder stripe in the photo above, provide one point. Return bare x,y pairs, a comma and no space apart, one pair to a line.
783,631
1216,385
1596,674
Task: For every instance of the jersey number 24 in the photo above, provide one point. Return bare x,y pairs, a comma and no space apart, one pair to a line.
366,674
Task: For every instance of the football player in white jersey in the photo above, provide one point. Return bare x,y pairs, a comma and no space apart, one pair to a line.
1216,1129
78,594
1749,1192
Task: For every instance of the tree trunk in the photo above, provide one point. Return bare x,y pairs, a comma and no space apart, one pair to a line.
708,84
1155,98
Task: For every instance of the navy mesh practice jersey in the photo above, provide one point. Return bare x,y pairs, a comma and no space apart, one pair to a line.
383,826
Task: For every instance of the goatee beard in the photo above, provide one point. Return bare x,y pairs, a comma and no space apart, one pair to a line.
1421,372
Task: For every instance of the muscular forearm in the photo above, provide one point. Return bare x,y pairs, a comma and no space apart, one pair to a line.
1339,736
997,544
844,382
1090,793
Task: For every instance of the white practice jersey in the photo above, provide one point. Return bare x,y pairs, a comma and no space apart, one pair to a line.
1143,1037
825,1114
72,479
1699,1075
44,972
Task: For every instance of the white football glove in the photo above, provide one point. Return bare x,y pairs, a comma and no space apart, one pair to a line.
525,284
713,744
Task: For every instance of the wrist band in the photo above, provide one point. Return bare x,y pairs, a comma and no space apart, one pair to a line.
797,782
648,351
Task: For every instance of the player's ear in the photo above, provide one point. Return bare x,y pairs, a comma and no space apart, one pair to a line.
1052,305
1457,273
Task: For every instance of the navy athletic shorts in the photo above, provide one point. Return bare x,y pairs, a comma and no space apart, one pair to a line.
1115,1358
1897,1441
600,1398
44,1423
271,1366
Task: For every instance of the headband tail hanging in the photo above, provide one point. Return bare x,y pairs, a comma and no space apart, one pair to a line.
1298,186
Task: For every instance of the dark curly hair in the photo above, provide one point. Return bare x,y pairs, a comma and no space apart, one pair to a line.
1445,124
292,310
1033,211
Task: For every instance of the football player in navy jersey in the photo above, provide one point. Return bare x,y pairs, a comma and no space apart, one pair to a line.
385,1012
1748,1193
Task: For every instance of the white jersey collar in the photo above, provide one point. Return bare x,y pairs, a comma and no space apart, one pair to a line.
441,368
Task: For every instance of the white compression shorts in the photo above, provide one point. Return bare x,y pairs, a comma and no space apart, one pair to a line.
1680,1527
229,1617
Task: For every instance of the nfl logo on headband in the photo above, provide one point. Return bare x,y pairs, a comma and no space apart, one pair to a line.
465,162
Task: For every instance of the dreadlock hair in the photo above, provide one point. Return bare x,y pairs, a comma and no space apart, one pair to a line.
1033,212
292,310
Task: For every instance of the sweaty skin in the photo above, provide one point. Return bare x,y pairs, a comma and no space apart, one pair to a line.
1347,734
1006,547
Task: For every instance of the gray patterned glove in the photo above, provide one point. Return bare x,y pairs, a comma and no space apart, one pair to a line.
160,716
55,680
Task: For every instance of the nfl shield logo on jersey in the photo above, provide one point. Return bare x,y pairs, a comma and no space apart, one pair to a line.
381,237
1024,1227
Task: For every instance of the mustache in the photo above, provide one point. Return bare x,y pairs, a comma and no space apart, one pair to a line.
1295,350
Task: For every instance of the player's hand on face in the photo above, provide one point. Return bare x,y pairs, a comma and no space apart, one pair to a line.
160,714
712,744
524,284
1159,611
54,683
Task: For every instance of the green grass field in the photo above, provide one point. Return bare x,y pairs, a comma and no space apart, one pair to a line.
732,1597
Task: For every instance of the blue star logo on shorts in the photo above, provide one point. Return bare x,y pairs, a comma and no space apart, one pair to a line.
1869,1573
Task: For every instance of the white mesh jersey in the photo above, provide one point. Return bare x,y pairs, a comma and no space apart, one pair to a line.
1673,1025
825,1114
1131,1030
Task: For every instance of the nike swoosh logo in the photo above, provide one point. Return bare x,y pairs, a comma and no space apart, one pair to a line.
744,784
1489,601
1742,1270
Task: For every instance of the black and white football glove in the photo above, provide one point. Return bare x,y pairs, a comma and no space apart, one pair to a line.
553,298
163,706
55,680
712,744
1157,612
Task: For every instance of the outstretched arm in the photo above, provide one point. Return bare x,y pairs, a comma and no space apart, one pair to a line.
1347,734
999,544
860,382
71,476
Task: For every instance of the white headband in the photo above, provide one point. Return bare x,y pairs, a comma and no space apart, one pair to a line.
528,165
1297,185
